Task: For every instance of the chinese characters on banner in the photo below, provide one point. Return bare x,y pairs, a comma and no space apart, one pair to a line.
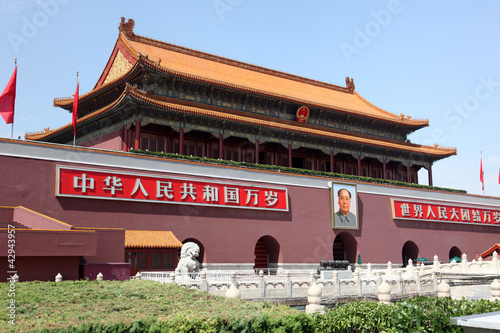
96,184
413,210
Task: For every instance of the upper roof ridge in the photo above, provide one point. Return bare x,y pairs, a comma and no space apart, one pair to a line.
127,29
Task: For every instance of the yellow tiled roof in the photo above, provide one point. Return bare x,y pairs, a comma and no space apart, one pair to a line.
151,238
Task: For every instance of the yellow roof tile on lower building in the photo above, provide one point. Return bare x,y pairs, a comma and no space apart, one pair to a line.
151,238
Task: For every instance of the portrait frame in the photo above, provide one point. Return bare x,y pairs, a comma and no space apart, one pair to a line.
351,220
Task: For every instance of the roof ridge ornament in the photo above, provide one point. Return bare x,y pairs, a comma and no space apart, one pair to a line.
127,28
349,84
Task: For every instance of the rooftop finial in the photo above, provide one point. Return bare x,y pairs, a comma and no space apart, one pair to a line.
127,28
349,83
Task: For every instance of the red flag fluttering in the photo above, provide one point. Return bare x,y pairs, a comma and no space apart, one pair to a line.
75,105
481,174
8,98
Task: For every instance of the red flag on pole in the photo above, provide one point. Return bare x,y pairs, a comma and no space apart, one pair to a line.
75,105
481,175
8,98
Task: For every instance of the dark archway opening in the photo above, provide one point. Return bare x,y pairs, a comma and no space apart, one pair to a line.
345,247
410,251
266,254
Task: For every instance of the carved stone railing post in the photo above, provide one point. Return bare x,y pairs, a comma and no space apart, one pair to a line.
59,277
203,281
336,283
434,281
172,278
494,262
435,264
357,282
288,284
369,269
389,269
443,289
138,276
99,277
495,290
262,284
384,293
233,291
464,263
400,281
409,269
314,297
418,282
379,278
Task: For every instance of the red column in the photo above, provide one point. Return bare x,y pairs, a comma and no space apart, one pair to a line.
124,139
359,165
290,155
221,146
384,169
181,141
137,134
408,178
332,160
257,160
430,175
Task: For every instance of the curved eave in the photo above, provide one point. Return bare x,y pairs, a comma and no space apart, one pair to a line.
141,97
409,147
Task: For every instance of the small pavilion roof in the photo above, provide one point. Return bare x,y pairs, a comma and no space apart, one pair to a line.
151,239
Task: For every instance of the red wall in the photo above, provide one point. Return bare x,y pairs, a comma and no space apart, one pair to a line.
230,235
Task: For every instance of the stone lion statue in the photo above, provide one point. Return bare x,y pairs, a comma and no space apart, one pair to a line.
188,263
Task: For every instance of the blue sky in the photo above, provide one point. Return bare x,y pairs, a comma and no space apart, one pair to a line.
427,59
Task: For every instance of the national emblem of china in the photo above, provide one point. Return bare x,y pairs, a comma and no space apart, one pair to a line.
302,114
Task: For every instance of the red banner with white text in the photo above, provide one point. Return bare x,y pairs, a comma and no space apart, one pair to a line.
111,185
438,212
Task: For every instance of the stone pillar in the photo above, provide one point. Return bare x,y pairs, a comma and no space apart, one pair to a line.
314,297
384,293
233,291
99,277
409,268
137,144
443,290
59,277
369,269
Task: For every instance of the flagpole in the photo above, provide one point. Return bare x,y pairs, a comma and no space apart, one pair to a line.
76,97
12,125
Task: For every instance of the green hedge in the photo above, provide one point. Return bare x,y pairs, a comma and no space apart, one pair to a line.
417,314
147,306
290,170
